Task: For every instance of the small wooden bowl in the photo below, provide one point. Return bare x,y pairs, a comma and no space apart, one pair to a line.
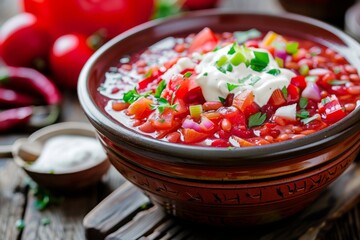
74,179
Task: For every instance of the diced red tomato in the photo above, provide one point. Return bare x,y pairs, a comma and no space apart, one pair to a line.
194,94
324,80
163,121
243,100
299,81
140,108
293,94
191,136
204,41
146,127
251,109
331,110
173,137
154,77
277,98
181,109
233,115
220,143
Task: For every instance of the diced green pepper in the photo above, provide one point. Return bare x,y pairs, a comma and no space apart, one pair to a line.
237,59
222,60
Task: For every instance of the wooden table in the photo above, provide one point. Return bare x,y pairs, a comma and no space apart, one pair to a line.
64,220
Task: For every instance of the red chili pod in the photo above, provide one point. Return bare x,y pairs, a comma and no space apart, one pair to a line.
10,98
14,117
30,80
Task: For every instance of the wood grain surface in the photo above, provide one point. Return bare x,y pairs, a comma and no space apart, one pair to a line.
127,213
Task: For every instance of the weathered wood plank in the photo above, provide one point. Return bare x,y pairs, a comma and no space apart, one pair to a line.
114,211
65,219
12,200
141,224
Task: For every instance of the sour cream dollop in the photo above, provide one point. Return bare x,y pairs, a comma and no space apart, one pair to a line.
68,152
217,84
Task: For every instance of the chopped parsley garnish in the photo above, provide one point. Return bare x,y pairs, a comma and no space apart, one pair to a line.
232,49
221,70
132,95
229,68
307,120
325,101
222,100
274,72
20,224
303,114
205,74
303,102
260,61
187,74
292,47
284,92
160,88
162,105
256,119
231,86
243,36
45,221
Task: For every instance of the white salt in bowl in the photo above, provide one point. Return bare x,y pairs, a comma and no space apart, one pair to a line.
81,174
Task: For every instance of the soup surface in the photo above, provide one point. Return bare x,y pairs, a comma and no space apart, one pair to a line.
236,89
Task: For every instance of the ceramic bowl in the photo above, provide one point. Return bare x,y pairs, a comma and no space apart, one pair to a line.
70,180
244,186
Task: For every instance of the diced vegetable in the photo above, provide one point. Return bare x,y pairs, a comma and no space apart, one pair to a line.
311,91
141,108
192,136
170,105
292,47
330,109
204,41
195,111
243,100
277,98
288,112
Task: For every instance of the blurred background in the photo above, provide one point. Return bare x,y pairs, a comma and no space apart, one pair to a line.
344,14
47,35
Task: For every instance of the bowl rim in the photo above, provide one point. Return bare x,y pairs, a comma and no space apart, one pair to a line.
116,131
